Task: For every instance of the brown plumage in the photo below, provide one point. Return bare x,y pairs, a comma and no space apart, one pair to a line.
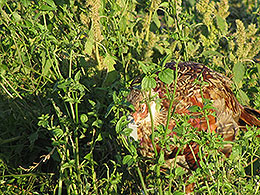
195,83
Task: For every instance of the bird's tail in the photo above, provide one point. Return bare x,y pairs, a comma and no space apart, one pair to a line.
249,116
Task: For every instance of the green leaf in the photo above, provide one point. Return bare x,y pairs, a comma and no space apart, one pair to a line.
221,23
46,67
195,108
109,62
156,20
161,158
166,76
77,76
88,156
258,68
178,193
119,124
112,74
47,8
144,67
211,53
239,71
89,43
249,134
92,102
51,3
179,171
127,131
99,138
57,132
123,24
243,97
83,118
148,83
17,17
164,4
97,123
128,159
170,20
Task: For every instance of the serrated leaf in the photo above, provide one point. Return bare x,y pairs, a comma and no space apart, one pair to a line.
148,83
112,74
239,71
166,76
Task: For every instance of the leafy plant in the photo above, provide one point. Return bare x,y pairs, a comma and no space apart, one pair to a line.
64,73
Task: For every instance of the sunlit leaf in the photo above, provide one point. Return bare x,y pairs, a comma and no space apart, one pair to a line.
221,23
166,76
244,98
148,83
239,71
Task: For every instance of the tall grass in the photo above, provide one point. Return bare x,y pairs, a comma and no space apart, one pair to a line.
65,67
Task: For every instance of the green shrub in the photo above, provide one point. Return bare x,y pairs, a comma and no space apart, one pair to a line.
64,73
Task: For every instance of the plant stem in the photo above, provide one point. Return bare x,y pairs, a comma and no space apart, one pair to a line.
172,98
70,65
152,123
148,23
11,87
142,180
159,180
97,57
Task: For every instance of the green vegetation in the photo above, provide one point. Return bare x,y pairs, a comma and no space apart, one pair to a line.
65,66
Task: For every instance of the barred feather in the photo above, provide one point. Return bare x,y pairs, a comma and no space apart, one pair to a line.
195,83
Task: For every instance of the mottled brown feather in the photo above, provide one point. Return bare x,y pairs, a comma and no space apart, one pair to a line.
229,116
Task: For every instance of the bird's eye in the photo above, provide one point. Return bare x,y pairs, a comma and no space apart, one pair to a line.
143,108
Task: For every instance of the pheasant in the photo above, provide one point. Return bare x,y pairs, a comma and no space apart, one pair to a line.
225,118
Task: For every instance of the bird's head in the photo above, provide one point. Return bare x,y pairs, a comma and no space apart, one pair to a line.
140,117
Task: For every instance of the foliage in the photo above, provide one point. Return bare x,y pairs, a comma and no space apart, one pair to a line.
65,67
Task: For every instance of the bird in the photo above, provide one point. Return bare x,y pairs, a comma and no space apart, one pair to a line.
196,86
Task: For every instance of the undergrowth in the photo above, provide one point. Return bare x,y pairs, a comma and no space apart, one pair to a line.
65,70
